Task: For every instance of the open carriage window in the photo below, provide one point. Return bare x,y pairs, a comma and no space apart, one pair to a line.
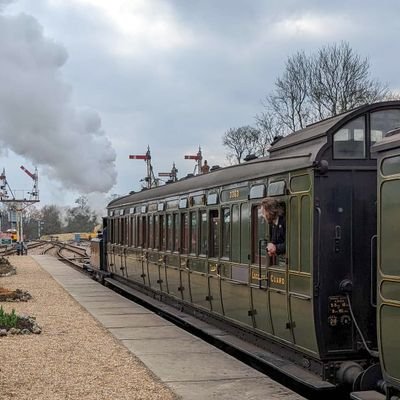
176,233
226,232
193,232
169,231
184,233
150,224
259,228
203,232
214,233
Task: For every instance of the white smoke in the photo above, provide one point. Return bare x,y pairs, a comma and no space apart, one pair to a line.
37,119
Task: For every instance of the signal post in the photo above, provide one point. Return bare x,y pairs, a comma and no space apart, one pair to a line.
19,203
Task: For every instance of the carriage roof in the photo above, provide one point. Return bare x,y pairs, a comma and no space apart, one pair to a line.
295,151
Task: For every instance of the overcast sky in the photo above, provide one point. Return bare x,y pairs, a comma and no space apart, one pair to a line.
85,83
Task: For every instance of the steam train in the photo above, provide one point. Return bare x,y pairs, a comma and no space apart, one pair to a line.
331,303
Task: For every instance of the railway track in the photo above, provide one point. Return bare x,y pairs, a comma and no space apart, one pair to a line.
10,250
73,255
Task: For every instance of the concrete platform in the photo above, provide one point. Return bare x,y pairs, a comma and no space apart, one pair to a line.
194,369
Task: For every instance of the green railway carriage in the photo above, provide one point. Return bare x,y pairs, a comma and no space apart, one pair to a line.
199,243
388,272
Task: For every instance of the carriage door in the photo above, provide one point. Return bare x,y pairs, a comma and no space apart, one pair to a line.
299,233
278,276
389,268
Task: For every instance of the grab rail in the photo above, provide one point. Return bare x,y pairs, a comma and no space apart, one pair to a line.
317,270
372,297
262,242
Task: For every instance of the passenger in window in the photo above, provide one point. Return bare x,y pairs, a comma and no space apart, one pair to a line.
274,213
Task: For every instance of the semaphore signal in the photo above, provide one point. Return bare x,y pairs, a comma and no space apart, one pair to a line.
150,179
201,168
172,175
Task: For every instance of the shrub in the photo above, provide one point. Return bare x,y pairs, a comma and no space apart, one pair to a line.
8,320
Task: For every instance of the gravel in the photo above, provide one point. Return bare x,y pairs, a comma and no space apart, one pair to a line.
74,357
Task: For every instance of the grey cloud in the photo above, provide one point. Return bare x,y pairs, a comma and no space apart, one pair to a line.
186,97
4,3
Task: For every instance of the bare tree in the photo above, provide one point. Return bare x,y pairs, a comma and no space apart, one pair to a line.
339,80
240,142
321,85
312,87
269,128
289,101
31,219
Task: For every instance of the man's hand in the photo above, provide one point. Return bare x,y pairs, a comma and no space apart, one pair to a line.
271,249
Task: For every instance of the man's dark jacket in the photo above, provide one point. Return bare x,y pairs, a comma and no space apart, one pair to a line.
277,235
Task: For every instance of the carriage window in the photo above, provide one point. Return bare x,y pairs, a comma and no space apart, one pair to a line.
349,142
391,166
126,236
383,122
130,238
390,227
185,233
203,232
144,232
140,244
226,231
133,231
245,233
193,232
176,232
156,231
112,230
111,235
138,230
151,232
117,230
169,231
121,231
128,231
235,227
214,233
259,233
163,239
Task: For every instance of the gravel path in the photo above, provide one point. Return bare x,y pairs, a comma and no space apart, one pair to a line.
74,357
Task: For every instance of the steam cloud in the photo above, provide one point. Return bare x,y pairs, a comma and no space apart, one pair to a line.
37,119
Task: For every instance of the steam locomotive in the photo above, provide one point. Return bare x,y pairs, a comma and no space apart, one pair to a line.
331,303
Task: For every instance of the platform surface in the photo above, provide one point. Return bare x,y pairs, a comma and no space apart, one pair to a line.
194,369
